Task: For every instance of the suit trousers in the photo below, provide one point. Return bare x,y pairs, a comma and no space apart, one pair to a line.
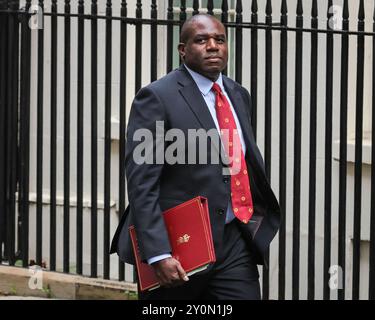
234,275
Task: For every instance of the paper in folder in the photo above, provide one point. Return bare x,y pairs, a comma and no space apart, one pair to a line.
189,231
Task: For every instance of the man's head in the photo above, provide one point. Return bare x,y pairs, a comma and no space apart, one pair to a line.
203,45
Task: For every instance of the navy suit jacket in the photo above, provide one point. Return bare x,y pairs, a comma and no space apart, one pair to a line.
153,188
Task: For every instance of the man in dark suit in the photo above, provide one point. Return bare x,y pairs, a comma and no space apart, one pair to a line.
192,98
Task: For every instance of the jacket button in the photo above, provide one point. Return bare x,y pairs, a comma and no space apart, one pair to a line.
220,211
226,180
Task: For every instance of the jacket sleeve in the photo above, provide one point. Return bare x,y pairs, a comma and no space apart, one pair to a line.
144,150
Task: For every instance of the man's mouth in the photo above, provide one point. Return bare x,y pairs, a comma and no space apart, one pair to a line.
213,58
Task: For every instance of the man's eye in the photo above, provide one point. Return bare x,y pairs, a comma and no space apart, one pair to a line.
201,40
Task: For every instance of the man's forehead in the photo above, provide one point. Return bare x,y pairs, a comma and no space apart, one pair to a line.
207,27
209,34
206,23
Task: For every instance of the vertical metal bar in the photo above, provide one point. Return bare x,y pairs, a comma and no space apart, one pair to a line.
238,62
39,150
328,161
80,102
107,152
312,160
358,153
224,12
25,137
224,20
16,106
268,125
21,145
6,128
343,148
182,12
11,173
254,66
283,144
268,91
3,41
53,126
154,41
66,144
138,47
19,153
372,210
94,140
210,7
195,7
297,155
182,19
123,69
170,37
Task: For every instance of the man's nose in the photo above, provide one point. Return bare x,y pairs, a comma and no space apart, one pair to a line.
211,44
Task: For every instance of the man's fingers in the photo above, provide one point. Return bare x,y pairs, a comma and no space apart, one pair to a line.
162,278
170,272
175,276
182,273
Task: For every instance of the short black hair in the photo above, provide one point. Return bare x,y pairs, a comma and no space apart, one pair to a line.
185,30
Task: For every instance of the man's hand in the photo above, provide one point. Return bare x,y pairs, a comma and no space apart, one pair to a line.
170,272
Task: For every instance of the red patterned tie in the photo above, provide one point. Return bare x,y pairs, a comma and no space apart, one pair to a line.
242,201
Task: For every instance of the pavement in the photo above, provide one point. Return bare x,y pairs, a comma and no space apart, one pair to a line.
18,283
24,298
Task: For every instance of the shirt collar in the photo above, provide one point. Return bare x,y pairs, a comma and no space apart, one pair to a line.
204,84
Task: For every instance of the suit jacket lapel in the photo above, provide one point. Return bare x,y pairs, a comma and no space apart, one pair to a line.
196,103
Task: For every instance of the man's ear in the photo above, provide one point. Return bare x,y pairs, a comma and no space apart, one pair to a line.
181,49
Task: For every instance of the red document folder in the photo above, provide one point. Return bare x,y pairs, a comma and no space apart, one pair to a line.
189,231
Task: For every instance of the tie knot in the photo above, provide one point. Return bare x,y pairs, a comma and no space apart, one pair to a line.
216,88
